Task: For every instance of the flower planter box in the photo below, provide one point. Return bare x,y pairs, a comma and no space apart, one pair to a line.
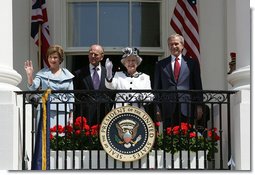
179,161
91,160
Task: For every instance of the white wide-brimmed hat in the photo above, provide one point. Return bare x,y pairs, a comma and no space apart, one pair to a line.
129,52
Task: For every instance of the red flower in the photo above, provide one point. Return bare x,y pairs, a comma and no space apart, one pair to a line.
81,119
212,134
60,129
82,126
175,130
187,137
168,130
94,129
77,132
69,129
183,128
192,134
78,135
87,133
51,136
81,123
157,124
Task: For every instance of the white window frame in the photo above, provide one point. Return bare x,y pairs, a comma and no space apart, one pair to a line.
60,29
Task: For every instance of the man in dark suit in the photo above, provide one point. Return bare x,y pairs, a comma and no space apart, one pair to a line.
91,77
178,72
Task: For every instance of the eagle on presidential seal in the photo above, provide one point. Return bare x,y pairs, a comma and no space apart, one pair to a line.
127,131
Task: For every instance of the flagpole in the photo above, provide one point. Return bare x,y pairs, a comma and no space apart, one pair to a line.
40,46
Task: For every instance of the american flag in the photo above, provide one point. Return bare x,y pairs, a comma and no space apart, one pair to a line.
185,22
39,18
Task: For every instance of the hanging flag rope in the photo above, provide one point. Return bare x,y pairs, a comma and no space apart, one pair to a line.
41,157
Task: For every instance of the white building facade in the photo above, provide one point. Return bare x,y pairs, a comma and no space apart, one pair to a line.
225,26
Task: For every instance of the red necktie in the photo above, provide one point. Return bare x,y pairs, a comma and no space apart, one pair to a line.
177,68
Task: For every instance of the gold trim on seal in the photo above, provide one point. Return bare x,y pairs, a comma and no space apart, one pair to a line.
127,124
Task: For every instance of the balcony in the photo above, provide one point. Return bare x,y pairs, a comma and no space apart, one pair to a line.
198,144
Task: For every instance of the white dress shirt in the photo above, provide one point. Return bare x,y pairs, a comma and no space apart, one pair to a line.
173,60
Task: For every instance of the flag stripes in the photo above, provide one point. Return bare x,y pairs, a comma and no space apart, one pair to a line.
40,28
185,22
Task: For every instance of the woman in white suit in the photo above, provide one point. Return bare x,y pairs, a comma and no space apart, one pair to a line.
129,79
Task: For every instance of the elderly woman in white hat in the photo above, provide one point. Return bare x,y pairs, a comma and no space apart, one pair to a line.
129,79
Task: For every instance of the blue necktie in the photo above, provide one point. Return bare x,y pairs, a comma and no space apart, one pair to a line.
95,78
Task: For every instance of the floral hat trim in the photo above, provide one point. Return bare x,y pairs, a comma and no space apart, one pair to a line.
131,51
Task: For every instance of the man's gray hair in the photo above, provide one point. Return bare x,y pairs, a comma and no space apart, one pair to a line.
176,35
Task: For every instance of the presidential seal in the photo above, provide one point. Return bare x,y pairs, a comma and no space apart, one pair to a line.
127,133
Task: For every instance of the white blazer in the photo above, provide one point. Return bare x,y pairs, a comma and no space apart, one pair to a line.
123,81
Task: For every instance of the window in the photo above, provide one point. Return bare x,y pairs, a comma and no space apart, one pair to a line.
113,24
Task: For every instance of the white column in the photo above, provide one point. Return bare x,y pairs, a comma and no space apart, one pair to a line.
240,80
243,33
241,131
252,5
9,79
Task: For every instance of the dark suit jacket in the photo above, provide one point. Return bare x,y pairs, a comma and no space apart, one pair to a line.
83,80
189,79
88,107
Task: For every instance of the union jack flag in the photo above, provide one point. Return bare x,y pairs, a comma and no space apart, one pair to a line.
39,18
185,22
